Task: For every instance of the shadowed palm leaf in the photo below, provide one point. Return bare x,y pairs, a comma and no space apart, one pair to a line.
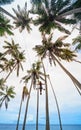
77,4
2,2
35,74
5,27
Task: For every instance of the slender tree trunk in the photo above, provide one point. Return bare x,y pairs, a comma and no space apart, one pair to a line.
47,106
58,110
9,73
68,73
37,115
26,110
17,126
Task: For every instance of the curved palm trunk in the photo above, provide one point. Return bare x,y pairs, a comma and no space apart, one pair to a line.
68,73
37,115
19,114
56,104
7,13
47,107
26,111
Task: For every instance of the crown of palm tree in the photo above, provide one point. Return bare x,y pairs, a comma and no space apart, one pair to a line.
34,73
58,48
51,15
6,95
15,56
22,20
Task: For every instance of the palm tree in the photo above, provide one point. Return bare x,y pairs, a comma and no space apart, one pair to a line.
52,14
24,95
6,95
34,74
57,50
22,20
17,56
5,26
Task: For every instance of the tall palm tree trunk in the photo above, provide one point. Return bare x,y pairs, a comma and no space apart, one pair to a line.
7,13
68,73
58,110
37,115
26,110
80,28
19,114
47,107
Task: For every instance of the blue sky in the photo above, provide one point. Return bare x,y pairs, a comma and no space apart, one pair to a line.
68,98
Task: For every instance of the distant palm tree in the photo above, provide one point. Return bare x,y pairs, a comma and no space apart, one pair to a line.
17,57
6,95
24,95
52,14
22,20
57,50
5,27
34,75
77,4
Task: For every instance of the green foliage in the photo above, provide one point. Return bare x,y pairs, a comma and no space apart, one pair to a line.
16,57
58,48
5,27
6,95
77,4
